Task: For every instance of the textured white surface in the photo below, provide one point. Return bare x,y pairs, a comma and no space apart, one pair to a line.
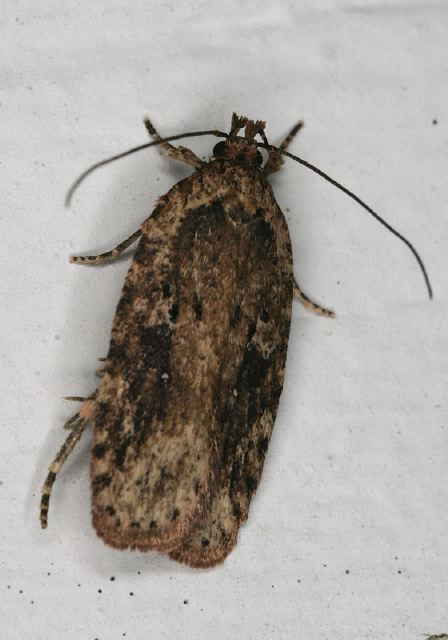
347,536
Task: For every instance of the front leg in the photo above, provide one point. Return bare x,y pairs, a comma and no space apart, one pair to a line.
178,153
275,158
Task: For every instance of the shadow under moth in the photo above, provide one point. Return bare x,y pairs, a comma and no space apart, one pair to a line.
189,390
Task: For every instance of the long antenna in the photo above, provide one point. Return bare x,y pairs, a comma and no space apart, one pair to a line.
91,169
360,202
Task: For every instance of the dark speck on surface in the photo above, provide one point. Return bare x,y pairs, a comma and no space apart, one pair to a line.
347,571
185,601
112,578
435,121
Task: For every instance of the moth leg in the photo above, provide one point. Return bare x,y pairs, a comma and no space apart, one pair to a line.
276,159
71,422
178,153
310,305
109,255
77,424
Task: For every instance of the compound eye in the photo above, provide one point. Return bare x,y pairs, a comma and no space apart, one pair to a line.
219,149
258,159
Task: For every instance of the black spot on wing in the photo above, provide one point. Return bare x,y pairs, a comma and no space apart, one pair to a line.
99,450
155,343
252,371
197,307
127,295
166,290
236,316
120,450
102,481
251,483
173,312
262,446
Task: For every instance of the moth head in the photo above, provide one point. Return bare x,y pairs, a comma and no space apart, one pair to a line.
238,150
242,148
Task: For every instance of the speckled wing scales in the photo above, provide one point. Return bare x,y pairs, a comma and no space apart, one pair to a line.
252,380
195,368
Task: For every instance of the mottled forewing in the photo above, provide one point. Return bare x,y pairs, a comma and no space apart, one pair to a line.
195,366
251,382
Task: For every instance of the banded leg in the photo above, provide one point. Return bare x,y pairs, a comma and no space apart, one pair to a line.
77,424
109,255
178,153
276,159
310,305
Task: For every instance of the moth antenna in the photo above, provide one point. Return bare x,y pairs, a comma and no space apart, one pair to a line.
97,165
361,203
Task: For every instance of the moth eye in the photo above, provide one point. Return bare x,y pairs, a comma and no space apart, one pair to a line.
258,159
219,149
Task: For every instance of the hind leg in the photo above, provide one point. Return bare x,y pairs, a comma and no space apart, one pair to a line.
76,424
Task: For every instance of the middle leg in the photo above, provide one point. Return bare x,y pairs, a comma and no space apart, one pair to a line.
109,255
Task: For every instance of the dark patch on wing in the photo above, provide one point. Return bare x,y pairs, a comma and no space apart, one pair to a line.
173,311
252,371
99,450
155,355
197,307
205,220
166,290
121,448
236,317
102,480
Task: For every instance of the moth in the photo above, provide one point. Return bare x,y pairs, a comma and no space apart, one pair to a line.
190,387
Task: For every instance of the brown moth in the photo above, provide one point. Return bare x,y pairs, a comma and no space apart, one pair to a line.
190,387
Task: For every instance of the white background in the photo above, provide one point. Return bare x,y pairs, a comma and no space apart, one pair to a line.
347,536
